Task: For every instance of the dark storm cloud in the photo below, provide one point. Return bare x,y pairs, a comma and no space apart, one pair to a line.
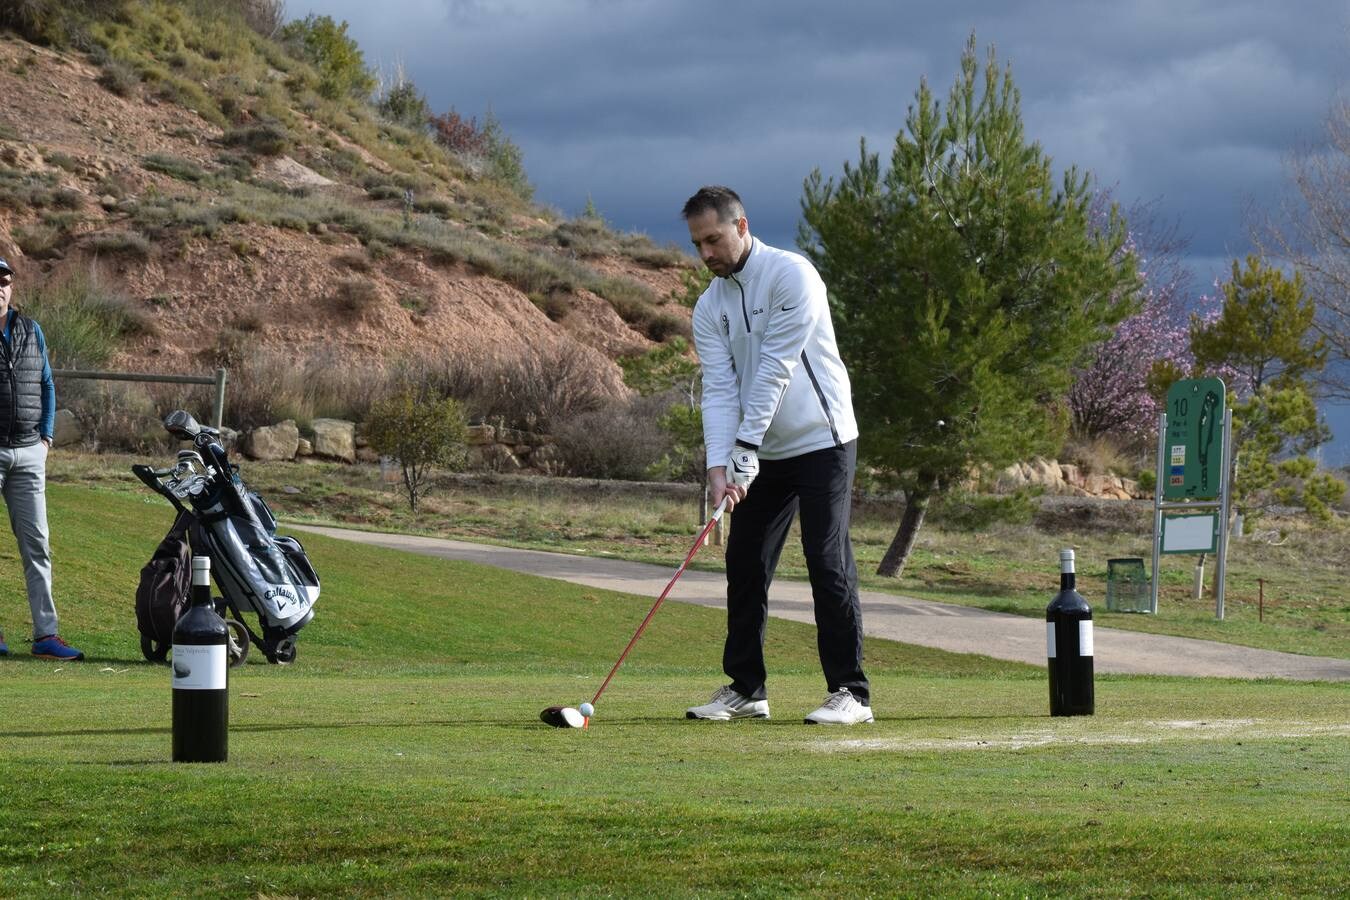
634,103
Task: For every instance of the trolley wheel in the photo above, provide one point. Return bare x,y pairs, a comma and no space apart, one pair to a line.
237,647
153,650
284,652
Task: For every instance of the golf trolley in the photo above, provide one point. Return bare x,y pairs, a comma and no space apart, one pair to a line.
255,569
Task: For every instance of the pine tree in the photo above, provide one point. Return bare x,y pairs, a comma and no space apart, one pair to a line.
965,286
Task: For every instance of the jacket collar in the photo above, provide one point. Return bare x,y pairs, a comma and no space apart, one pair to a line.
754,263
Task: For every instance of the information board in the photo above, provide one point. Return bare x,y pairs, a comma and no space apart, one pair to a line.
1193,452
1195,533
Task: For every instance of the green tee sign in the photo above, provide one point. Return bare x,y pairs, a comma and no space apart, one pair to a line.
1194,445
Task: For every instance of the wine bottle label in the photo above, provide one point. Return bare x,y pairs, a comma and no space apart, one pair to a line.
1085,637
199,667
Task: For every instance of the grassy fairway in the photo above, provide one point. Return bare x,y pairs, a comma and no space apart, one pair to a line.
401,755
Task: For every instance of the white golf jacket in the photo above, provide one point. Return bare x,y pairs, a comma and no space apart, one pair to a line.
772,376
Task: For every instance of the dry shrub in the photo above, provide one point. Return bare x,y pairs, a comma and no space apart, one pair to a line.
268,386
129,416
553,304
535,389
264,139
84,318
130,244
354,260
119,77
1103,455
417,304
621,440
40,241
356,297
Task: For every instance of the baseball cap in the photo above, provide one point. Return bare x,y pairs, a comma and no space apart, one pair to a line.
5,268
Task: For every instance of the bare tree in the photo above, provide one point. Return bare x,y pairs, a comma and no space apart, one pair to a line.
264,16
1312,231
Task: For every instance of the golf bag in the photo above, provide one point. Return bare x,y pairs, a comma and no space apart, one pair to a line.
162,595
256,570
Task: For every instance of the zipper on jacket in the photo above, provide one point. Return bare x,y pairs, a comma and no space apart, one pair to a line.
820,395
13,381
745,315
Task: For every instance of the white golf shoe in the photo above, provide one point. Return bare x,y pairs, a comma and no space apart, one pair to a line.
840,708
727,703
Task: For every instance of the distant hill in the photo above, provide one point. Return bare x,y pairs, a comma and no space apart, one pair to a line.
199,166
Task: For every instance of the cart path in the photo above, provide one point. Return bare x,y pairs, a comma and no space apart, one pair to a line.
960,629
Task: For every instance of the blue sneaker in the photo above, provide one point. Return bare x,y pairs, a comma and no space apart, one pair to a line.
4,648
52,647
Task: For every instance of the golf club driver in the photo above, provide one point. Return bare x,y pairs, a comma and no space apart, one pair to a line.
572,717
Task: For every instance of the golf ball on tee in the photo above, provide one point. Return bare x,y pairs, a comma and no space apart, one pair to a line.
586,710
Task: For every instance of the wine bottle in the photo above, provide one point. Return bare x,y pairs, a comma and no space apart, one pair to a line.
201,712
1068,634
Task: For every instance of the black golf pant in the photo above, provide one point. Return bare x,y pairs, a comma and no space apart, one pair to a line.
818,485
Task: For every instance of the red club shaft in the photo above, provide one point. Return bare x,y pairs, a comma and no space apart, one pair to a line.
698,542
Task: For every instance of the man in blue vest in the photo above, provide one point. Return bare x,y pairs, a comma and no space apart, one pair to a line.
27,423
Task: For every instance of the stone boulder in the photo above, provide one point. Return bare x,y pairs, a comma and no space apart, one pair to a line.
274,442
547,459
493,458
481,435
335,439
1045,472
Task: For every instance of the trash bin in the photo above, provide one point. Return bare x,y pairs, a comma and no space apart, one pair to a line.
1127,586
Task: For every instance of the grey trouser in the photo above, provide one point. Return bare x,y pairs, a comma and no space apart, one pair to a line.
23,481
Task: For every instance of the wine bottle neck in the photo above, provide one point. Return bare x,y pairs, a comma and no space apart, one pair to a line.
201,572
1066,581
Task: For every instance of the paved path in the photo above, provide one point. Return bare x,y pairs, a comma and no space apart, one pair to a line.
962,629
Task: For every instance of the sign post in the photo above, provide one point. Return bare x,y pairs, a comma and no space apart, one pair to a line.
1193,494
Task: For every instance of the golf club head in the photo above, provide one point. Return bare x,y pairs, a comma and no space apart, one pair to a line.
181,425
562,717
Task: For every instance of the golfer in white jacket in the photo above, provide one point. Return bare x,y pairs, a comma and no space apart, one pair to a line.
777,412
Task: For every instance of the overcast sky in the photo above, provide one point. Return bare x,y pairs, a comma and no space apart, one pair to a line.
636,103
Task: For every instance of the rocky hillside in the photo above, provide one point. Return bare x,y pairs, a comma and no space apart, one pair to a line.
197,168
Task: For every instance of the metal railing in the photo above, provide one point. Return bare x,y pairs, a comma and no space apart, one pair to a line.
218,379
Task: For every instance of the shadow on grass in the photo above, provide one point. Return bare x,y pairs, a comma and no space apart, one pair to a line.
527,724
532,723
122,662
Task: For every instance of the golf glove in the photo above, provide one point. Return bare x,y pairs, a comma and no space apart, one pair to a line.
743,466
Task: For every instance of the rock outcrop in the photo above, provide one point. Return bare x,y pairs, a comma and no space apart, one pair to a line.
1066,480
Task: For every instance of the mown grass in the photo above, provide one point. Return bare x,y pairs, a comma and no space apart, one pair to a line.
401,755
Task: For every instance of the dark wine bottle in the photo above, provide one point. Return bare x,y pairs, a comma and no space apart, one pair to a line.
1068,634
201,711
